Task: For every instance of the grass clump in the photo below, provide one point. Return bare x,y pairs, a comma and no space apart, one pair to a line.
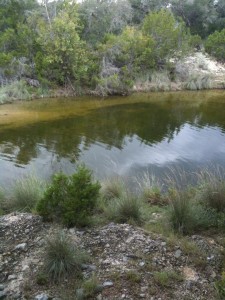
198,82
90,288
180,212
211,192
112,188
62,257
151,190
124,209
24,194
133,276
166,278
220,286
41,279
15,91
70,199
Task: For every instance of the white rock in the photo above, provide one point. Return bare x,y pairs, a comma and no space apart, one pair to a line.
22,246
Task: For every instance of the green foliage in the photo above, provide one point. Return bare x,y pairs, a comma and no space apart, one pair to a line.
123,58
70,199
215,45
102,17
62,257
170,37
63,56
24,194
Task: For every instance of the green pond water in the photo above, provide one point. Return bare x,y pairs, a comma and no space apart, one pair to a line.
126,136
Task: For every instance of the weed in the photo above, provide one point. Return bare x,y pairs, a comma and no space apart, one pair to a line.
151,190
16,90
62,257
91,287
211,191
160,81
124,209
220,286
41,279
133,276
180,212
165,278
198,82
113,188
25,194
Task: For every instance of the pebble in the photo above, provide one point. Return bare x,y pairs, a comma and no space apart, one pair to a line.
107,284
41,297
22,247
2,287
178,253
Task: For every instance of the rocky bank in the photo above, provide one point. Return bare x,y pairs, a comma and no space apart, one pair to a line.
127,261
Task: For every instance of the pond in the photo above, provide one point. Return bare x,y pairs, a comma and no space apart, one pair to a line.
125,136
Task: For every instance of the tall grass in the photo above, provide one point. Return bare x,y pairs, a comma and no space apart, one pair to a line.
160,81
112,188
180,212
211,192
151,190
198,82
24,194
124,209
16,90
62,257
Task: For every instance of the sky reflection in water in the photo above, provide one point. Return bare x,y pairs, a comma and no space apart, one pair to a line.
114,138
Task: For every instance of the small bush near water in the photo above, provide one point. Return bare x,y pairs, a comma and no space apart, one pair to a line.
24,195
16,90
62,257
70,199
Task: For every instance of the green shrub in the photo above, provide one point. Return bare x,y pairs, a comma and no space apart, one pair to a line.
24,194
62,257
215,45
125,208
70,199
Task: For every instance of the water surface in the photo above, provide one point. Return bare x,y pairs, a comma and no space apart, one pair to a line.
119,136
